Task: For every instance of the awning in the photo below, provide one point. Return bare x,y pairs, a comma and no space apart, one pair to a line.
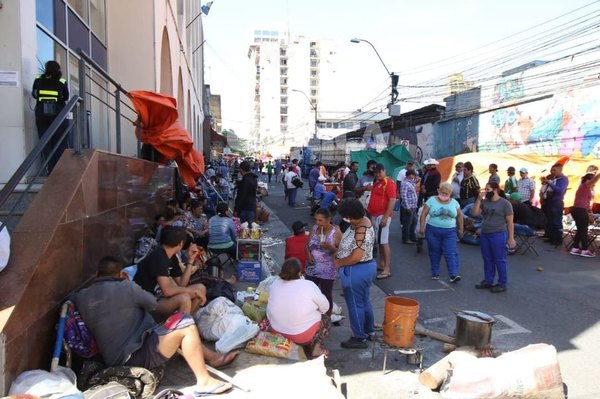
159,127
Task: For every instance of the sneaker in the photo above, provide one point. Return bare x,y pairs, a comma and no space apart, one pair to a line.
354,343
455,279
575,251
435,277
498,288
409,242
483,285
588,254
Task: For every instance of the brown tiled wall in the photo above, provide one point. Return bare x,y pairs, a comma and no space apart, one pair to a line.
91,206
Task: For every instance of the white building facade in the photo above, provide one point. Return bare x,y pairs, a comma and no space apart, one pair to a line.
141,44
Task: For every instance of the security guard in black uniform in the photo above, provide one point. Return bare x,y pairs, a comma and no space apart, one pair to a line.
51,92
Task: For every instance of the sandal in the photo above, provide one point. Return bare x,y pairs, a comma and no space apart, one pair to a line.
223,363
381,276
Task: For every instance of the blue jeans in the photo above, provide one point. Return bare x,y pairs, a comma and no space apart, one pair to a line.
493,250
246,216
408,218
291,194
356,282
442,241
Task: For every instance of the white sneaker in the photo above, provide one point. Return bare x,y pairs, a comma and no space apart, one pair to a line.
588,254
575,251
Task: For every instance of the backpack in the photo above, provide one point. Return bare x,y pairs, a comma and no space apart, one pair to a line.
77,336
297,182
111,390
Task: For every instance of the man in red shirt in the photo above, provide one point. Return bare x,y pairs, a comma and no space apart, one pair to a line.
381,208
295,246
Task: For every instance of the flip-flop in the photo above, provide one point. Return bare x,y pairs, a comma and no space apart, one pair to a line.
219,389
381,276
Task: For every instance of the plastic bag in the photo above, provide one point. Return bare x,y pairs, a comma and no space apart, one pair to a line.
4,247
60,383
240,329
265,285
212,321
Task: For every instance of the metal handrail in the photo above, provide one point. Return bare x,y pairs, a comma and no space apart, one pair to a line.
35,154
100,70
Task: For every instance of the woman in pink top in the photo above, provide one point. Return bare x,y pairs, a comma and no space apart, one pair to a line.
298,310
580,213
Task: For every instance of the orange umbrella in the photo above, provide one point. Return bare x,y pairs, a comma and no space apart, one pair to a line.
159,127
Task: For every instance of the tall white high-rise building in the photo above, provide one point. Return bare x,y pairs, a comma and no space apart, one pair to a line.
287,75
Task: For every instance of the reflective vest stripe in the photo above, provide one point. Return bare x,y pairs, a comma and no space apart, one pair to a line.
47,95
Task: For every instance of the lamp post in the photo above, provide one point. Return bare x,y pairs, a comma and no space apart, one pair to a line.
392,75
313,106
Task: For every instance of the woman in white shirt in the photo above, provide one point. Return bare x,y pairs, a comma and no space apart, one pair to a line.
298,310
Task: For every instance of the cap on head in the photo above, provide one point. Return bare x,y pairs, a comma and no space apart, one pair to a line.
523,170
298,227
431,161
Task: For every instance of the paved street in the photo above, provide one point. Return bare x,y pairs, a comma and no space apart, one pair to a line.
558,305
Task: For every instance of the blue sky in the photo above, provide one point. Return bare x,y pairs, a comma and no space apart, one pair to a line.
407,34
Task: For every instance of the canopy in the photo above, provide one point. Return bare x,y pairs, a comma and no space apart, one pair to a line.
393,158
159,127
537,166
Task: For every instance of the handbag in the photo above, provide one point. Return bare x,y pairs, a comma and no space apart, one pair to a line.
297,182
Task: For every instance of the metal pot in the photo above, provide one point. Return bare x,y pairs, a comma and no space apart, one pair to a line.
473,328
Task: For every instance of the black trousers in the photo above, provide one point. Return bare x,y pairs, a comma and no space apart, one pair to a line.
582,221
43,123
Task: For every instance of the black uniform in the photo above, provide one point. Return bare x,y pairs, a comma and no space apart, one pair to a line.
51,94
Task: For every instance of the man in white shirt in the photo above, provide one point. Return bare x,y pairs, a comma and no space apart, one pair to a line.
457,178
292,190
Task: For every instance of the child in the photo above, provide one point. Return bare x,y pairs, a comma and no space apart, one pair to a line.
295,246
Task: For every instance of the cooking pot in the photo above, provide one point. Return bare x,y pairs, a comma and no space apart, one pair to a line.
473,328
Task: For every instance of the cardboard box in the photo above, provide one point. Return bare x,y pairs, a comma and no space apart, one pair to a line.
249,272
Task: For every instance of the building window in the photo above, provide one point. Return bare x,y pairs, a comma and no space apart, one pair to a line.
44,13
283,119
336,125
283,81
283,71
314,74
283,91
283,128
284,100
329,125
48,50
313,93
283,110
283,61
80,7
282,52
313,82
313,101
314,64
98,18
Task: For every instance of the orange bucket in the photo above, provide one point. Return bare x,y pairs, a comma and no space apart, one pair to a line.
399,321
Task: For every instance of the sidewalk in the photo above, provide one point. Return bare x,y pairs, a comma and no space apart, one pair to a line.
361,370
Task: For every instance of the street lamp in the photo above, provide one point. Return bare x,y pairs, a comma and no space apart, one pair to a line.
313,106
392,75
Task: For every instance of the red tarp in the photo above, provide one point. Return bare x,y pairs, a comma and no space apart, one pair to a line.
160,128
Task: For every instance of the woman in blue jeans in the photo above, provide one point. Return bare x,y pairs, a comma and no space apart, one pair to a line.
497,229
444,226
357,270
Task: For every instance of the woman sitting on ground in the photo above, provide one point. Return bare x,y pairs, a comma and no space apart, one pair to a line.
221,232
298,310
